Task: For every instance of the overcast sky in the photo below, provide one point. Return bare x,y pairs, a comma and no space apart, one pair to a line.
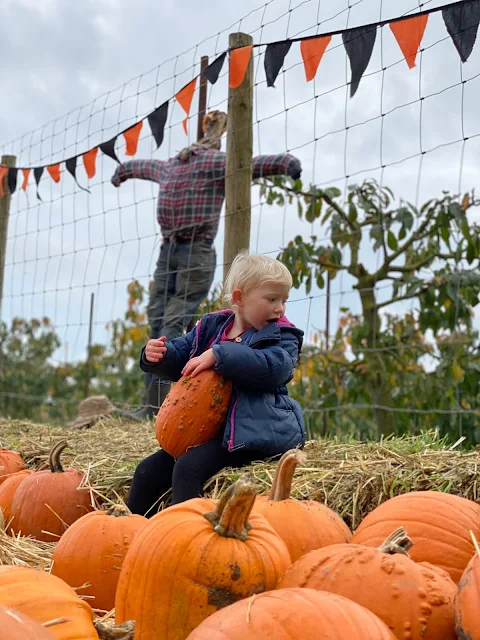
75,74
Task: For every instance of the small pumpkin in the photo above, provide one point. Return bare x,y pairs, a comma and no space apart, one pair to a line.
17,626
8,490
189,561
193,412
303,525
49,501
91,553
407,596
438,524
293,613
10,462
467,601
44,598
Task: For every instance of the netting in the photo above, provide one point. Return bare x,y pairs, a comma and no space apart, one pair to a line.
394,348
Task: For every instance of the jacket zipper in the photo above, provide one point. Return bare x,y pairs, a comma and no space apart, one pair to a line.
231,441
195,349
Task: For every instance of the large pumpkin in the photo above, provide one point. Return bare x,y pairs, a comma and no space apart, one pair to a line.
293,613
193,412
303,525
91,553
10,462
44,598
407,596
49,501
439,525
16,626
467,602
190,561
8,490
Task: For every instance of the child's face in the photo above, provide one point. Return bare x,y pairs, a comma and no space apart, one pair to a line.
264,304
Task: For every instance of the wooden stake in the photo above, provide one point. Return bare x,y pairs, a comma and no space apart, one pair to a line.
238,182
9,161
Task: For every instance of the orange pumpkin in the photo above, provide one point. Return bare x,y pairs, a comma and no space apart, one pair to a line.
188,561
439,525
44,597
193,412
16,626
8,490
467,601
407,596
293,613
91,553
10,462
47,502
303,525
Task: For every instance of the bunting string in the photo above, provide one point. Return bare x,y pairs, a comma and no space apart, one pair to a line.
461,20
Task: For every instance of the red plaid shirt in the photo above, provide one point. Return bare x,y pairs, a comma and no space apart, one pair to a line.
192,192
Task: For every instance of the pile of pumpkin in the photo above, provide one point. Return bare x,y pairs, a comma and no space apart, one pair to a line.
238,568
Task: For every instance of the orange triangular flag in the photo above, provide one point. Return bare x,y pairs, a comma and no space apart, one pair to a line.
239,60
409,34
3,173
89,159
26,173
312,54
131,137
54,171
184,98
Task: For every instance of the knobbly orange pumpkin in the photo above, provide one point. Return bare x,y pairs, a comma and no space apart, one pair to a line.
49,501
16,626
439,525
44,597
193,412
293,613
303,525
92,550
190,561
467,601
8,490
409,597
10,462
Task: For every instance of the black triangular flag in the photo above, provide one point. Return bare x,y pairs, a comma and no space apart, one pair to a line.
108,149
71,166
359,45
212,72
12,179
274,58
462,25
37,172
157,121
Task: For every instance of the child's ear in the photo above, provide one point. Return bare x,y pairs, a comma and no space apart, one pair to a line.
237,298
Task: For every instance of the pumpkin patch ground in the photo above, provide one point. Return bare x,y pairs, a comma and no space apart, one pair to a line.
350,478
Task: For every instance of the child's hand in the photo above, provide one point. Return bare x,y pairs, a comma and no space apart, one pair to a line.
195,365
155,349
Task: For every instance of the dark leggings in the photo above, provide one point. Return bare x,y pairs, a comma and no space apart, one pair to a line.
158,473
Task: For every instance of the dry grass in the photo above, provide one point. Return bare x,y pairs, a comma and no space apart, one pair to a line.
350,477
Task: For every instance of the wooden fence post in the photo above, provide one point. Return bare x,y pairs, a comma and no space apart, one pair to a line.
238,182
9,161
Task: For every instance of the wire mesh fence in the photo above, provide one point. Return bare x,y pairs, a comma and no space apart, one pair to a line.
386,283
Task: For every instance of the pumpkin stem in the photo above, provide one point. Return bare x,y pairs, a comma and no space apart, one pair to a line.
397,542
282,482
125,631
230,518
117,510
54,457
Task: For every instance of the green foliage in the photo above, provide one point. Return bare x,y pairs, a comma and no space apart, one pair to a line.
428,255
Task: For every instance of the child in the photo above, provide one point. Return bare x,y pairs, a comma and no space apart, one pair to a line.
256,347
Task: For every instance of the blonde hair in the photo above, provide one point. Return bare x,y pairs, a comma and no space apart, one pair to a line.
250,271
